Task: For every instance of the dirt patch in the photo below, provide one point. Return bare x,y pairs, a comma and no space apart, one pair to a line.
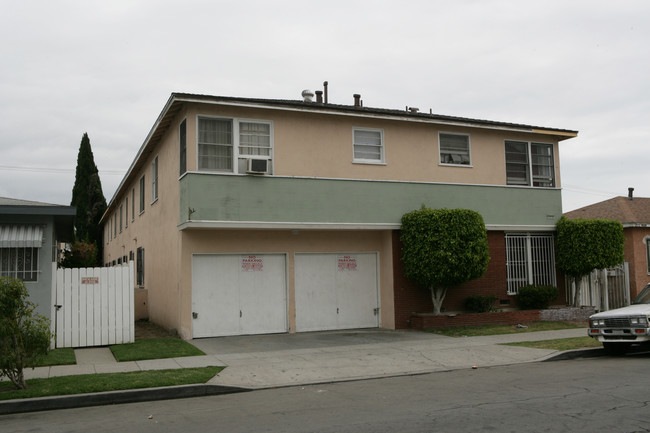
146,329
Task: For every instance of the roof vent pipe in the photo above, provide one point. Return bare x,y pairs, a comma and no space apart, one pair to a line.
325,89
630,192
357,100
319,96
307,95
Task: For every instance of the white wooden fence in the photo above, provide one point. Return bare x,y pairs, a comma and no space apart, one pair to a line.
93,306
604,289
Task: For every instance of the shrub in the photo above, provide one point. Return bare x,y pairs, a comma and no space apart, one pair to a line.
24,335
480,303
536,297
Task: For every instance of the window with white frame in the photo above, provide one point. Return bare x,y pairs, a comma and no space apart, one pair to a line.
19,263
126,212
215,142
368,145
454,149
154,179
530,259
225,145
529,164
120,218
133,204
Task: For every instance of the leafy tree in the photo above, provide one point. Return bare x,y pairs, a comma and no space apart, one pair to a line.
88,198
80,255
443,248
24,335
584,245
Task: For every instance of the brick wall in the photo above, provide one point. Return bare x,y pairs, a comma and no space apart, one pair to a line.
410,298
429,321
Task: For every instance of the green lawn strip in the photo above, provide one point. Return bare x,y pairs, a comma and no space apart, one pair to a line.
561,343
58,357
478,331
91,383
154,348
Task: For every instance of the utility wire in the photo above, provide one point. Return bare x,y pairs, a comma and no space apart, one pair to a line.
56,170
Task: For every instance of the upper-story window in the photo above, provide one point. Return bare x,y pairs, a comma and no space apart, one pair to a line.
454,149
221,142
142,194
530,164
154,179
368,145
182,138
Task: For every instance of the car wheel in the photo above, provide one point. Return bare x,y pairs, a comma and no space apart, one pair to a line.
616,349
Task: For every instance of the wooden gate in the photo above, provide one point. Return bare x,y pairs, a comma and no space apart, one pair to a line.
93,306
604,289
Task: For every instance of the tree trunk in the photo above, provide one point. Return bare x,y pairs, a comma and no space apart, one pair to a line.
576,295
437,296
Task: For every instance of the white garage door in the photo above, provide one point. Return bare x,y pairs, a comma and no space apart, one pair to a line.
238,294
336,291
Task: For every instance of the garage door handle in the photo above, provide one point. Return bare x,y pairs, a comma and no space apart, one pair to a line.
240,313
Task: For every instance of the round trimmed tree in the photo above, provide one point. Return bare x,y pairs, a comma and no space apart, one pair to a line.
587,244
443,248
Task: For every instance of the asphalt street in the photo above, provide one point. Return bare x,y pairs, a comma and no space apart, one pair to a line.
605,394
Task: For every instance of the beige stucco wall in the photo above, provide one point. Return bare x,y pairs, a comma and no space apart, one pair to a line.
320,145
156,230
287,242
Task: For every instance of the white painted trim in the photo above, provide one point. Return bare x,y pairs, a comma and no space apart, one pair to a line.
522,228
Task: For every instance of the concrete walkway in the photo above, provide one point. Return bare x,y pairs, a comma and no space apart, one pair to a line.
267,361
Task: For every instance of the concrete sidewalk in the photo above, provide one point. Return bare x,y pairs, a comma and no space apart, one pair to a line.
268,361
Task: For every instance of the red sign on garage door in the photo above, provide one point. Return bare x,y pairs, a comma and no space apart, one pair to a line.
252,263
347,263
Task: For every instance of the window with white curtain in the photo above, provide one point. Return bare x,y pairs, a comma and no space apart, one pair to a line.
454,149
215,142
530,259
368,145
529,164
254,139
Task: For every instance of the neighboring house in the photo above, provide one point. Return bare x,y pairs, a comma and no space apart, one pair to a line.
30,233
256,216
634,214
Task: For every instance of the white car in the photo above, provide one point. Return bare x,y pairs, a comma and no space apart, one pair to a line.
623,327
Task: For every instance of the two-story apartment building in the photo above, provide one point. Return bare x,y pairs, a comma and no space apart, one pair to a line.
258,216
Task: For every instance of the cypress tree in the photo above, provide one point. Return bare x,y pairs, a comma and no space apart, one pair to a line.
88,198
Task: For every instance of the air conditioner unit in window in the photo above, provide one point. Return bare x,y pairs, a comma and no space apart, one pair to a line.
257,166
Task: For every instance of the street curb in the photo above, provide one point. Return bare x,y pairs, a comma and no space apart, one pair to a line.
114,397
577,353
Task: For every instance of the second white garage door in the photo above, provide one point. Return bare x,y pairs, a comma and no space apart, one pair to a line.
235,294
336,291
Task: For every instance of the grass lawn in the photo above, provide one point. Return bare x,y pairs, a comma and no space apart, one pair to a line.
478,331
89,383
154,348
58,357
561,344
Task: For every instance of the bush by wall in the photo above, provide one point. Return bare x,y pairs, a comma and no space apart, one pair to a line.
536,297
480,303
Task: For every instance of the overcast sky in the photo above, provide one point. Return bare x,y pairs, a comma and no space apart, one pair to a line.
108,67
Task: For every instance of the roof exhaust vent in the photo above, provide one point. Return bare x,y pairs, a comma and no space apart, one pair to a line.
307,95
414,109
319,96
630,193
357,100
